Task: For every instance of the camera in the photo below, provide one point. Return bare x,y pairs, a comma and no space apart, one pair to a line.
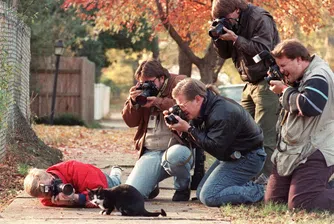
217,28
273,71
149,89
174,110
56,187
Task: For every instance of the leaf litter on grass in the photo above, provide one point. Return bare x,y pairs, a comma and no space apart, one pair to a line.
75,140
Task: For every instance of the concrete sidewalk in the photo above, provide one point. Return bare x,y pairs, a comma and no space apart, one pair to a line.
25,209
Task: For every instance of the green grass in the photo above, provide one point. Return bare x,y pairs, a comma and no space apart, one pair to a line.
23,169
272,213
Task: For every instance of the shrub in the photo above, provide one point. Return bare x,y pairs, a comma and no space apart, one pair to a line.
62,119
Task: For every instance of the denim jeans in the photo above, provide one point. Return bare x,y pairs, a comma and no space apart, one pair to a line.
229,181
155,166
112,180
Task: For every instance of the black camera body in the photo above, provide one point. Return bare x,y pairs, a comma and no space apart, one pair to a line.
149,89
56,187
217,28
174,110
273,71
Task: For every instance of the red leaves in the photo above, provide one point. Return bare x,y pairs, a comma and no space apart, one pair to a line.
190,17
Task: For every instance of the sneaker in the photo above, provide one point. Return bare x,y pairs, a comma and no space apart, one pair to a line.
262,179
154,193
183,195
116,171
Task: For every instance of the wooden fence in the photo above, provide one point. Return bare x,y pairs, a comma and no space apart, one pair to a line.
75,87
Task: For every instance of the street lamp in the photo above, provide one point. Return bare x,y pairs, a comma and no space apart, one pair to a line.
59,50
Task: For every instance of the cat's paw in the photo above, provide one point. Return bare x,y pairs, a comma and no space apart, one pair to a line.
103,212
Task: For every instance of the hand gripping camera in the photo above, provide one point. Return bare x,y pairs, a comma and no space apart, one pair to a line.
273,71
174,110
149,89
217,28
56,187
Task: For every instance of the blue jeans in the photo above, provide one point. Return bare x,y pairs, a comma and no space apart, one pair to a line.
229,181
154,166
112,180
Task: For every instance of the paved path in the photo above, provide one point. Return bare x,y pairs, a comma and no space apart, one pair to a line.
25,209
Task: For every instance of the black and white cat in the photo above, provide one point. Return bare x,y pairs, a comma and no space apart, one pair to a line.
125,198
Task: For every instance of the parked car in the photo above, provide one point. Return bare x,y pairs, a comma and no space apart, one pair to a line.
232,91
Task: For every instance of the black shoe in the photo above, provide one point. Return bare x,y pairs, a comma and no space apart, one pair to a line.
154,193
183,195
330,184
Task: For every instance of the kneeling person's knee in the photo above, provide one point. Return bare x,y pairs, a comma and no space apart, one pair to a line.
177,155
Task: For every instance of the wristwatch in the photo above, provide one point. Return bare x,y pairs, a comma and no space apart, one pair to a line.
191,129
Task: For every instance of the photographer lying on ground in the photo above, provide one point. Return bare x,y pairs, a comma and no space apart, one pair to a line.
143,109
225,130
65,183
304,159
240,31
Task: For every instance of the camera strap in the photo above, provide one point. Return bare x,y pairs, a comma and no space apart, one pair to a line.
178,138
163,87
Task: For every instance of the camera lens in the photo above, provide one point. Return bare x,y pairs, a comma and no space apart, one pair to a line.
67,189
141,100
170,119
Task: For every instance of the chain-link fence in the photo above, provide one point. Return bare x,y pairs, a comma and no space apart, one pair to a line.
14,71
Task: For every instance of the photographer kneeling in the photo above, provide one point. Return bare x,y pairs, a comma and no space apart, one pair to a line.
160,155
304,158
65,183
225,130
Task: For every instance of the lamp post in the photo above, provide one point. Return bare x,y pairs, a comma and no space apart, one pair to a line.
59,50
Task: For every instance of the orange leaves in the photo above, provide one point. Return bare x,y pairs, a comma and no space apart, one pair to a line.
190,17
309,15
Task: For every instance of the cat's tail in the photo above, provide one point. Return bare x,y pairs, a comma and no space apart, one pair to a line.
155,214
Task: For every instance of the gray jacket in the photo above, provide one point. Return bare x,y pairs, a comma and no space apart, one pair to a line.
301,135
256,32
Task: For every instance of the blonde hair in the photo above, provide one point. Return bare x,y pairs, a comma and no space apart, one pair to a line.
32,181
190,88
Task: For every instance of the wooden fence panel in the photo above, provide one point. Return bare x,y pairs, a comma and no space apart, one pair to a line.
75,92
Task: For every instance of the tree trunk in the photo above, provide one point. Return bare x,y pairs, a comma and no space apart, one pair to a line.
155,48
184,64
207,66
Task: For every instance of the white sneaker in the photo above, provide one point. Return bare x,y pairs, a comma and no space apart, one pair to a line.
116,171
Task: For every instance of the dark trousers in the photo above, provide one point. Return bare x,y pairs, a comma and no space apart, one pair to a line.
306,187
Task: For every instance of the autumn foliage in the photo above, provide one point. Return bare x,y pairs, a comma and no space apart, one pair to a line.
191,18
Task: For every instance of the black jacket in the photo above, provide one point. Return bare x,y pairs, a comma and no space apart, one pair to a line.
224,127
256,32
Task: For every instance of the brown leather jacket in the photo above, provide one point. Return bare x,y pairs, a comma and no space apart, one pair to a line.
136,116
256,32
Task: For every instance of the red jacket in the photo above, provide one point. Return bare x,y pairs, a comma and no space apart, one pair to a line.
80,175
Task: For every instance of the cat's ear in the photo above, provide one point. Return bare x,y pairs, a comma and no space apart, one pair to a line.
100,188
88,190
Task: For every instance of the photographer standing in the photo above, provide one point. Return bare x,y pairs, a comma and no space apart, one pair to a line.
77,176
304,157
225,130
160,154
251,30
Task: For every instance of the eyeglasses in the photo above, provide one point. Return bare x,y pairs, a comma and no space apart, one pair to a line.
149,80
183,105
